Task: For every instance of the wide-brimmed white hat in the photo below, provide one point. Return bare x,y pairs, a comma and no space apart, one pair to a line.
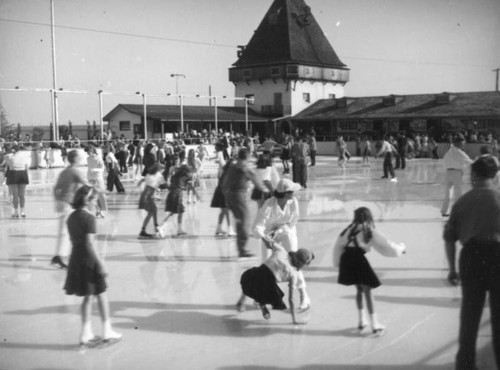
285,185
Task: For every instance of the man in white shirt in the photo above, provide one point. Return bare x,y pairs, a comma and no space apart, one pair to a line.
387,150
454,161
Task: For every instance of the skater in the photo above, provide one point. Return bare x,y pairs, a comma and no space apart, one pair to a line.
285,153
366,151
300,152
113,167
69,180
313,148
149,158
194,164
176,183
261,283
475,222
454,161
147,201
234,187
354,269
278,219
86,271
17,179
342,152
218,201
95,176
268,174
388,150
402,151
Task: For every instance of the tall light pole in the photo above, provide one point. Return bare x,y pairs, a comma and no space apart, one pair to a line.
54,75
177,75
496,80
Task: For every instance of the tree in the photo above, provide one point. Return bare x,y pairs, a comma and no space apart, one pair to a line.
38,133
63,132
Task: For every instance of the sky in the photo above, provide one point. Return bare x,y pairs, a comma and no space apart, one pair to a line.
390,46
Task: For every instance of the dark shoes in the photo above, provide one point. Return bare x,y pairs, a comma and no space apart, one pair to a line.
145,235
57,260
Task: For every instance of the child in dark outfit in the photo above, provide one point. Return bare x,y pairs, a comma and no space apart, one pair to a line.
86,271
261,283
354,268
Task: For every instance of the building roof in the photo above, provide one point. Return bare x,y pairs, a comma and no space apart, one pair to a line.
445,105
289,33
191,113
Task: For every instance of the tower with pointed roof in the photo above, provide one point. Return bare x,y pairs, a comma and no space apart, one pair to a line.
288,63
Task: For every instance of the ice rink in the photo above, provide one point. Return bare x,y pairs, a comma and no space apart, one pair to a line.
174,299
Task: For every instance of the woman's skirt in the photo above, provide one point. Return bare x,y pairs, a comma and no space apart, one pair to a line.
259,283
83,280
146,200
17,177
174,202
355,269
285,154
218,200
260,195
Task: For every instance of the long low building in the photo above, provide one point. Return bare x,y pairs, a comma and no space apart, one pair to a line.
128,119
434,114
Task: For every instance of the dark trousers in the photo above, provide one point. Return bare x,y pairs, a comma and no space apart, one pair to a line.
237,202
401,160
114,180
480,273
313,157
300,172
388,169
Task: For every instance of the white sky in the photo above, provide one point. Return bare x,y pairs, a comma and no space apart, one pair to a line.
391,47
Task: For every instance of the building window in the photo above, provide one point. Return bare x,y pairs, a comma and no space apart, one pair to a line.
331,96
306,97
247,73
251,99
308,71
275,71
292,70
157,127
125,126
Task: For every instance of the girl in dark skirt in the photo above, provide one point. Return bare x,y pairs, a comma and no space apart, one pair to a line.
153,180
261,283
285,153
219,201
354,269
178,179
86,271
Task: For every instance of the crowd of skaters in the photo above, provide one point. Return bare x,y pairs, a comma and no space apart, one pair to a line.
167,166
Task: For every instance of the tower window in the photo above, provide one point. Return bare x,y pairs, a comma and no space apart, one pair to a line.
292,70
306,97
275,71
247,73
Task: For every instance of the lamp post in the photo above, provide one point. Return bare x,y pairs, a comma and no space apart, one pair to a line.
177,75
